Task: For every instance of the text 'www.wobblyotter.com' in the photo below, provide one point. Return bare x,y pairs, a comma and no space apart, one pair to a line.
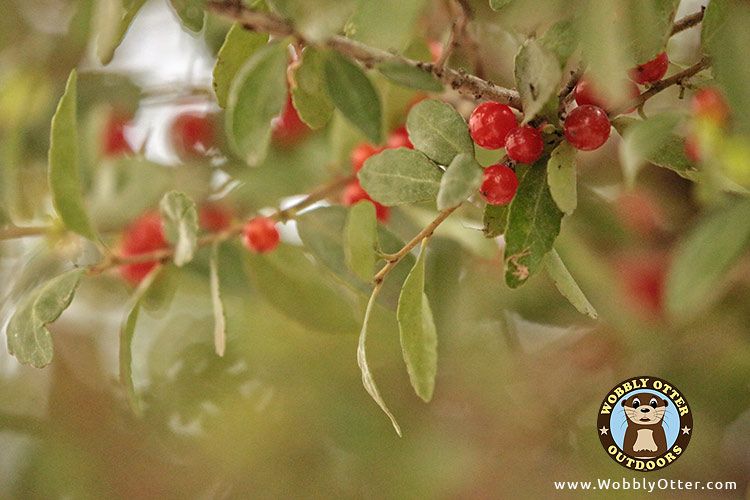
645,485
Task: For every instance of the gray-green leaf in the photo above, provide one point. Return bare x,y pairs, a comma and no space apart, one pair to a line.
64,169
417,330
533,224
567,285
704,257
190,12
409,76
399,176
495,220
239,45
354,95
256,96
316,20
499,4
436,129
561,177
361,239
180,219
111,22
462,178
538,77
308,90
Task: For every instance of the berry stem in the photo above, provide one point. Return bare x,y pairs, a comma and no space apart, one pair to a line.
688,21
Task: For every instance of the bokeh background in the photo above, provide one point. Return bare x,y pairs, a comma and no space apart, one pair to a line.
521,374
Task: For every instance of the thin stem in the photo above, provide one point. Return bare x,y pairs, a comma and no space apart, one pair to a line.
688,21
15,232
392,260
464,83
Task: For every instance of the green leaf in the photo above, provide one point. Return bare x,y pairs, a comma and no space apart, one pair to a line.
28,338
361,239
367,379
399,176
495,220
220,320
308,90
436,129
256,96
111,23
354,95
417,330
533,224
703,258
462,178
561,177
180,219
409,76
127,333
561,39
316,20
239,45
499,4
293,285
64,169
538,76
190,12
567,285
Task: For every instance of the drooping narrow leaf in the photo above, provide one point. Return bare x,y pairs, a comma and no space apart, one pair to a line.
190,12
367,379
127,332
308,89
561,177
316,20
64,170
256,96
354,95
398,176
702,260
538,76
462,178
533,224
561,40
495,220
436,129
111,23
180,219
417,330
220,320
29,340
361,239
409,76
239,45
499,4
567,285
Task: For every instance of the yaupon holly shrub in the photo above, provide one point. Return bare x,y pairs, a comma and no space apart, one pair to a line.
367,140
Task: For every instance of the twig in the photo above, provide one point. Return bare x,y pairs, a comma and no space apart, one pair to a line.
16,232
688,21
464,83
393,259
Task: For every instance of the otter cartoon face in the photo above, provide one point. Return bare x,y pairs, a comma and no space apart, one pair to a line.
645,408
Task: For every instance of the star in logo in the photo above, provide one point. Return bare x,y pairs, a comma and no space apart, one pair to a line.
686,430
603,430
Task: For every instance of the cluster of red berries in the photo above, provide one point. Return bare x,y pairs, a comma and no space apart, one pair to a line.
146,235
114,142
708,105
354,192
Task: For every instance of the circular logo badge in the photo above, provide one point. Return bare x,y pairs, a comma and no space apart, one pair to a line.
645,423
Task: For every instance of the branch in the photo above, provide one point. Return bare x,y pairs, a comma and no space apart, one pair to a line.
393,259
15,232
273,25
688,22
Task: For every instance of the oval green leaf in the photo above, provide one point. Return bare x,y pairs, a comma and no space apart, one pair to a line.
239,45
561,177
180,219
567,285
399,176
462,178
361,238
308,89
436,129
405,74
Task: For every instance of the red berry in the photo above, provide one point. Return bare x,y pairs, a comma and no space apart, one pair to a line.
652,71
115,143
709,104
215,217
354,193
524,144
288,127
260,235
642,278
192,134
585,93
144,235
500,184
691,149
587,127
490,123
399,138
436,50
640,213
361,153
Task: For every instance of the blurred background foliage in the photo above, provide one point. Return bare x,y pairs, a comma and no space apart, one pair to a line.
520,374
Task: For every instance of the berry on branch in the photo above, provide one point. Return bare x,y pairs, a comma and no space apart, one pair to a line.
192,135
651,71
709,104
361,153
215,217
524,144
288,127
500,184
399,138
586,93
490,123
260,235
143,235
587,127
114,141
354,192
